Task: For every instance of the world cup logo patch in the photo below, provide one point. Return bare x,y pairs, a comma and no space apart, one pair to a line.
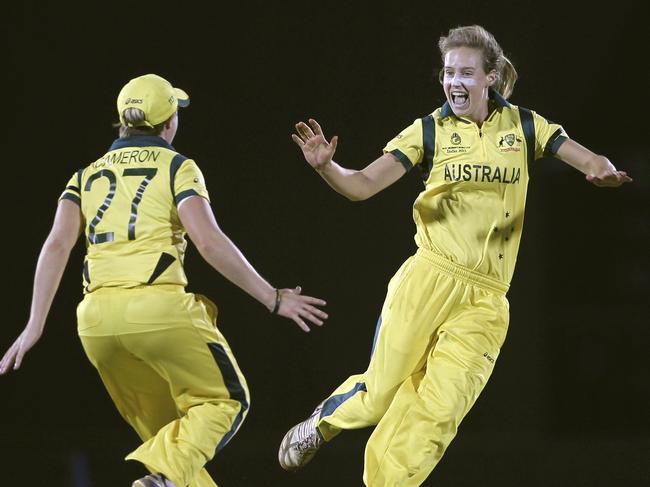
456,146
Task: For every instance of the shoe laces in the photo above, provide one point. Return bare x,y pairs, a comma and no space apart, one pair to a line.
311,442
308,433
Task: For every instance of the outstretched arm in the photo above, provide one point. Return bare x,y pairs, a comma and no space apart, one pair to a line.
219,251
597,169
354,185
49,269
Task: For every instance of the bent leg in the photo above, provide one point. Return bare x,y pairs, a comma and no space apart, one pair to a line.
416,303
426,411
173,378
209,391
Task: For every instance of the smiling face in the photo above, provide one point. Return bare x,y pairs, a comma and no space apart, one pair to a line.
466,83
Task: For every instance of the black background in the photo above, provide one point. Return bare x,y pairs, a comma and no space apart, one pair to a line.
568,402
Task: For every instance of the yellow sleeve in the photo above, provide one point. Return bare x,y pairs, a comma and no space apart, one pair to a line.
549,136
407,146
189,182
72,190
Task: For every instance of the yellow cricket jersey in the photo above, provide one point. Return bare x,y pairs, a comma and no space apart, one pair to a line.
128,198
472,208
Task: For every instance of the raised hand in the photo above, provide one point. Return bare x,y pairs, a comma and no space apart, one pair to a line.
299,308
317,151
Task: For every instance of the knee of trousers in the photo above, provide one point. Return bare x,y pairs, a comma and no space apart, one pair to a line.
363,408
375,408
219,408
444,409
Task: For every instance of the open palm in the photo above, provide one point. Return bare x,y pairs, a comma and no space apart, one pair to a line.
317,151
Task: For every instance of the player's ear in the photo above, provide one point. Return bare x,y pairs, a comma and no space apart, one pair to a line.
169,121
492,77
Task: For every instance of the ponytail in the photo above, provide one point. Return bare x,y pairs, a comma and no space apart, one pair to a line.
507,77
134,123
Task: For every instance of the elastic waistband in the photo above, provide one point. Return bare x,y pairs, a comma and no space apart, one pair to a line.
462,273
174,288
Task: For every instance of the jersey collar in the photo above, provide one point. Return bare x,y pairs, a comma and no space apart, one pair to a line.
140,141
446,110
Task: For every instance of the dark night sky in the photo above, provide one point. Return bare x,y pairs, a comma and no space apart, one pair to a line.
567,404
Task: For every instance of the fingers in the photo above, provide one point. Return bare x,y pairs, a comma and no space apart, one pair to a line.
314,301
4,365
334,142
301,308
318,312
315,125
309,316
296,290
624,178
9,358
297,140
306,301
19,357
312,314
301,323
308,142
610,181
593,180
304,131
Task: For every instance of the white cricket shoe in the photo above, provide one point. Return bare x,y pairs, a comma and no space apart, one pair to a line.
301,443
153,480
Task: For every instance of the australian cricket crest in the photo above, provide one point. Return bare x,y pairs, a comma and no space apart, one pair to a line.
509,143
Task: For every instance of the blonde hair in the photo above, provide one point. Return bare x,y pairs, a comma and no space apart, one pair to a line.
476,37
136,124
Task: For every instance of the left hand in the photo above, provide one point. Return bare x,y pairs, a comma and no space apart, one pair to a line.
598,169
299,308
14,356
610,179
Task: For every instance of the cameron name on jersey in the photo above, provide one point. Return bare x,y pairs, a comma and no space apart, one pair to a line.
127,157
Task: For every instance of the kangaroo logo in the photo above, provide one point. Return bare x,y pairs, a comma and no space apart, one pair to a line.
509,139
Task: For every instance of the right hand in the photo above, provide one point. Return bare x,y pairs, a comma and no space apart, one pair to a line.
317,151
299,308
13,358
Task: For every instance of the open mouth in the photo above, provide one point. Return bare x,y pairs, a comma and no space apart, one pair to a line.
459,99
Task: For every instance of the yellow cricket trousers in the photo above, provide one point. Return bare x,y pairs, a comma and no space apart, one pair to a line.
439,334
170,373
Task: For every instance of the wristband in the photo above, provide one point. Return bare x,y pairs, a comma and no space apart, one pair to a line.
278,298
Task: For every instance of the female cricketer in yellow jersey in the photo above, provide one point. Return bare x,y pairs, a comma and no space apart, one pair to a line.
157,349
445,315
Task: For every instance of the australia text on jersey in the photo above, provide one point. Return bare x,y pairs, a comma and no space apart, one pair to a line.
127,157
482,173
